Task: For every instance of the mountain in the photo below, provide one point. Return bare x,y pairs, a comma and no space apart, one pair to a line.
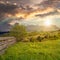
42,28
5,27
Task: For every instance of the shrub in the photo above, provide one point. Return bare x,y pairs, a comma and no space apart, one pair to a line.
32,39
39,38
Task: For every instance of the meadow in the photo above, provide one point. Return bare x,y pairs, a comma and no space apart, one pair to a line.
32,45
47,50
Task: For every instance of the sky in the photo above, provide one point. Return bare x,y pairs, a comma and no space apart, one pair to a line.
29,12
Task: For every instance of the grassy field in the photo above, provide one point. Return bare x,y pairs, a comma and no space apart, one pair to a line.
46,50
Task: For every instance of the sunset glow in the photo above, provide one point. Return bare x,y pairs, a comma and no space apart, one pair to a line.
48,23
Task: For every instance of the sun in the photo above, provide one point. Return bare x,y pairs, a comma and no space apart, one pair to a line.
47,23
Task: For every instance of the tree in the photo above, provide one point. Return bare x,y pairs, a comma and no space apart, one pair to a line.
18,31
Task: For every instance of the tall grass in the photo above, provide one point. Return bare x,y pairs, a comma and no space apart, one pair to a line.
47,50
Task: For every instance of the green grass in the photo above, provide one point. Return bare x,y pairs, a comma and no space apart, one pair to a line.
47,50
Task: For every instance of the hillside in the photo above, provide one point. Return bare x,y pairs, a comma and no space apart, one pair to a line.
42,28
48,50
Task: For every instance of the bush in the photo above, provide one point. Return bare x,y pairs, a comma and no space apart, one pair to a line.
39,38
32,39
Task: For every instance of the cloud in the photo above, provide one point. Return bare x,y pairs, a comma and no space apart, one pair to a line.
44,8
52,13
27,9
7,9
36,1
50,7
19,2
49,3
43,12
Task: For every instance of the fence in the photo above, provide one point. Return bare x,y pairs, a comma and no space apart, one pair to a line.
5,42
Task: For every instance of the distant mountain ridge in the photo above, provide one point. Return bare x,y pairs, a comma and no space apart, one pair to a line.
3,32
7,27
42,28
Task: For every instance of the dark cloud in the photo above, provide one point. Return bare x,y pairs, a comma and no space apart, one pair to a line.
12,9
49,3
49,14
19,2
7,9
